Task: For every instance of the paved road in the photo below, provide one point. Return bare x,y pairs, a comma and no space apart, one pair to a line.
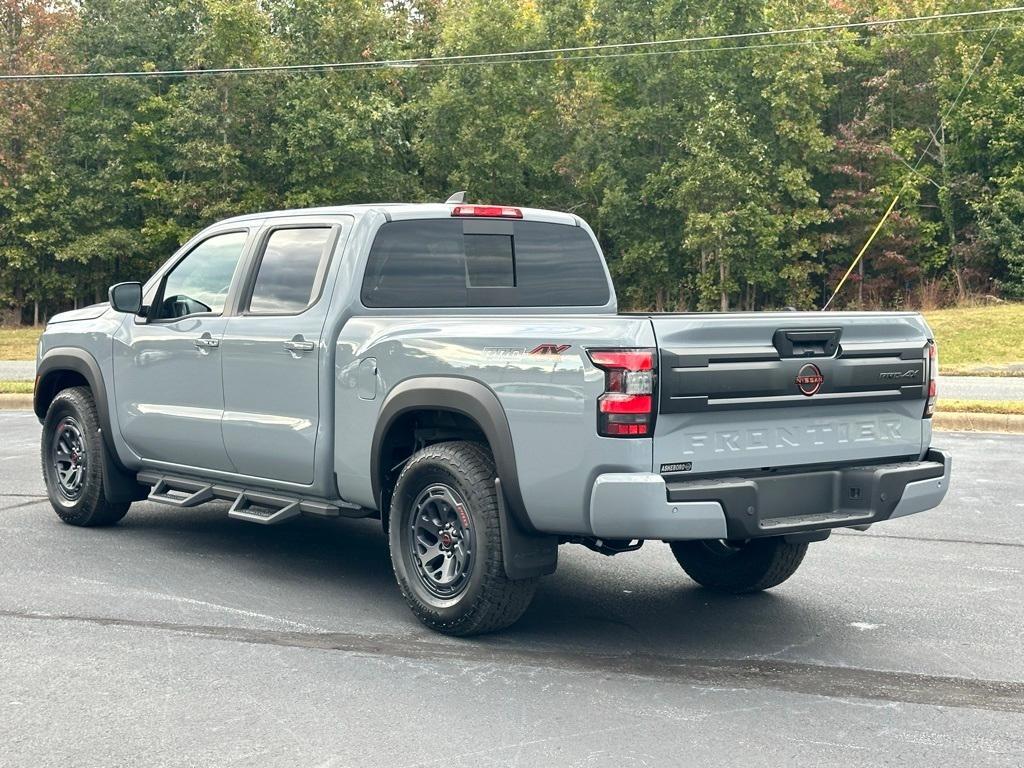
17,370
981,387
185,638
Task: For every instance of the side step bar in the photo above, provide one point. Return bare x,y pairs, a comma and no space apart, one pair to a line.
181,494
265,510
247,504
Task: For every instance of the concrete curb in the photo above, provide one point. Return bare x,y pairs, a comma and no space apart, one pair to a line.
1006,370
979,422
15,402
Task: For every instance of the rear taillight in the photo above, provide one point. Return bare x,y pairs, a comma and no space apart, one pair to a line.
626,408
488,211
933,375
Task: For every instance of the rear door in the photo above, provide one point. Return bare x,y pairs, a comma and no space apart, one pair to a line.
762,391
272,352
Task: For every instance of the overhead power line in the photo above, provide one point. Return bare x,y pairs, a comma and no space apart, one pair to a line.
617,50
726,48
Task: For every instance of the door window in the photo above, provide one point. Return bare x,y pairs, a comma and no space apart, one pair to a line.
199,283
291,271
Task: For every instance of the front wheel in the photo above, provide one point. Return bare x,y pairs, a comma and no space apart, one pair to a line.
445,542
72,458
738,567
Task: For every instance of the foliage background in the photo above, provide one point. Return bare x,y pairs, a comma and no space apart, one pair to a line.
737,175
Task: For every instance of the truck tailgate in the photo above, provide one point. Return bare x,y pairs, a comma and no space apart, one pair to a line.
762,391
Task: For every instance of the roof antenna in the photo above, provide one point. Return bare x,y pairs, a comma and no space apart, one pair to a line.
458,197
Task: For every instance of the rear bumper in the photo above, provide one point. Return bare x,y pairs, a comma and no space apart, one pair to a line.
644,506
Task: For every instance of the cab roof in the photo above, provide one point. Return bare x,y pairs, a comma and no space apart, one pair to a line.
400,211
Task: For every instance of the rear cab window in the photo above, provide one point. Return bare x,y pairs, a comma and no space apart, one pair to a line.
483,263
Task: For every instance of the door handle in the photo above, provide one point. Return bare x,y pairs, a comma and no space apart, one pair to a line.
205,342
299,346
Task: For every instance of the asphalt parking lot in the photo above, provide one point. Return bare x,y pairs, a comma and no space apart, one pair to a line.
181,637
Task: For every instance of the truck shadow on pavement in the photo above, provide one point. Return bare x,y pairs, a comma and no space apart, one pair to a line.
631,602
328,586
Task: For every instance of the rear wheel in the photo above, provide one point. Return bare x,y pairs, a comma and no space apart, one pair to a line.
446,542
739,566
72,458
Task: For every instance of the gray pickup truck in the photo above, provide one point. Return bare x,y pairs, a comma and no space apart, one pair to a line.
462,373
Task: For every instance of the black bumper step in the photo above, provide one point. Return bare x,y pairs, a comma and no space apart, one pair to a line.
792,501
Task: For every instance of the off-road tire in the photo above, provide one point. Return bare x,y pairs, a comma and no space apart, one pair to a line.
739,567
90,507
490,601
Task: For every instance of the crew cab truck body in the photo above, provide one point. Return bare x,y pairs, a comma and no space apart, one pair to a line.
463,373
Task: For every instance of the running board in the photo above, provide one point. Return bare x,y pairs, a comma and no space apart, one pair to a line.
251,505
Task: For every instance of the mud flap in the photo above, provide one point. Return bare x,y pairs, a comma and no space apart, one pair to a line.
119,485
525,554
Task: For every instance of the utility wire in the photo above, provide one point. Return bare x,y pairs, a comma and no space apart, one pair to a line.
358,66
723,49
920,159
523,56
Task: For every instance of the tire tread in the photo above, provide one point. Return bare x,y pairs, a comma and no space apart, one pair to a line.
501,600
93,509
764,564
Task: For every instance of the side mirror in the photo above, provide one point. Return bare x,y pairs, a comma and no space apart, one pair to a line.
126,297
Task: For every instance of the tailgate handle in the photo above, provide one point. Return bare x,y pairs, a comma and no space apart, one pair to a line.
807,343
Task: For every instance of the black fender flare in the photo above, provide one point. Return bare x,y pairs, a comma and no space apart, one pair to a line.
469,398
527,552
60,359
119,482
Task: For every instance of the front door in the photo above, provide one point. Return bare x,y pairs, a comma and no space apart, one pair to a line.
272,352
167,367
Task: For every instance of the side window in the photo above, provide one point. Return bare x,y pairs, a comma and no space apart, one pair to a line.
199,283
291,271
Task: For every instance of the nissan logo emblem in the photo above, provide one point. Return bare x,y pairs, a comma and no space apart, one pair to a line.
809,379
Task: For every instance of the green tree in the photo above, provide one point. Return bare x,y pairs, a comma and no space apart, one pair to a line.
30,189
744,173
492,130
986,157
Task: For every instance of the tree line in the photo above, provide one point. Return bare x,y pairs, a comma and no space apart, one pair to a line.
736,173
